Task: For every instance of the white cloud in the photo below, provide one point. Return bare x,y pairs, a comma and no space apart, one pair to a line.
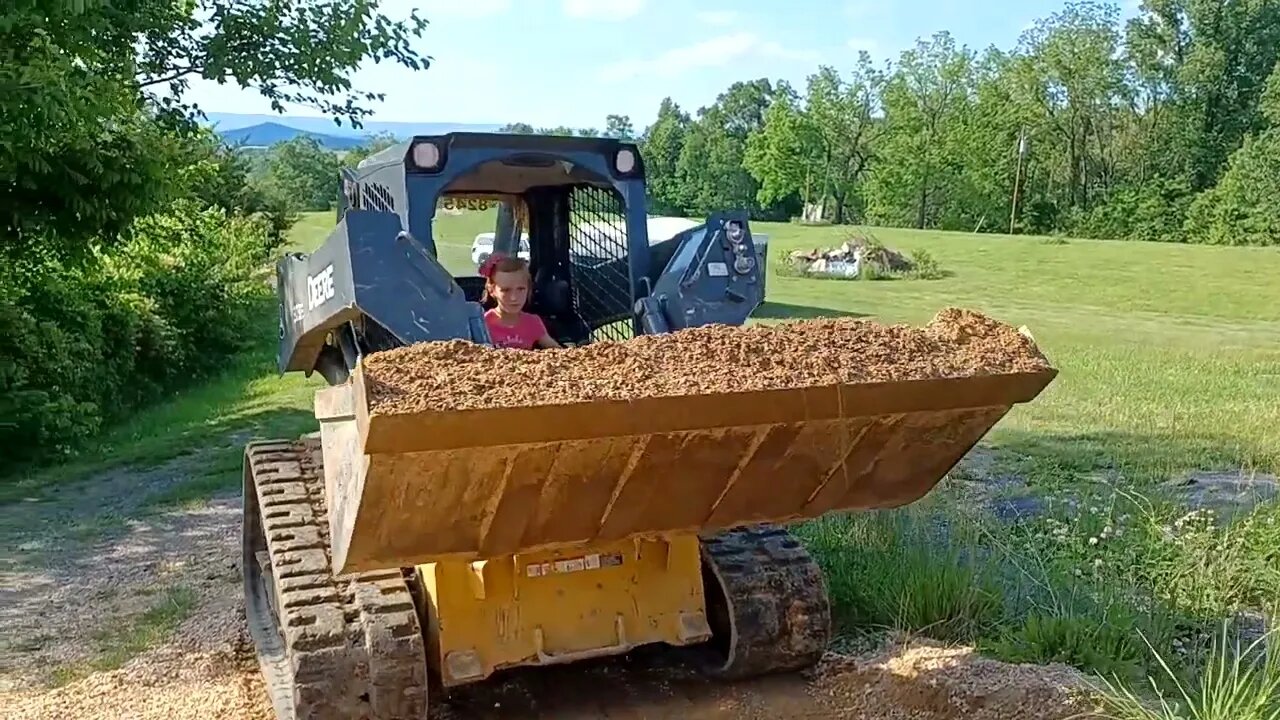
861,9
774,49
718,17
715,52
610,10
708,53
467,9
863,43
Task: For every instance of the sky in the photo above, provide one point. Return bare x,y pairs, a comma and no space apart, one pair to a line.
573,62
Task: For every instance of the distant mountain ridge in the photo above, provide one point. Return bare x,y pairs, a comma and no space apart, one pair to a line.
268,134
265,130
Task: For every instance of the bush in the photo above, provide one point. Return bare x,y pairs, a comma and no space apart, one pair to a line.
1151,212
1244,207
88,342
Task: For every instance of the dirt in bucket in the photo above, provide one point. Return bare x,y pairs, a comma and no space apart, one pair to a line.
460,375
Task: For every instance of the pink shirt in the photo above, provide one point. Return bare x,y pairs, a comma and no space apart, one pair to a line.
523,335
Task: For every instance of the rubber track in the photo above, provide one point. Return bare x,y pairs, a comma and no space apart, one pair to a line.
779,613
351,646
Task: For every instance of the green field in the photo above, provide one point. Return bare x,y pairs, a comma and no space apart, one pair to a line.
1169,359
1168,354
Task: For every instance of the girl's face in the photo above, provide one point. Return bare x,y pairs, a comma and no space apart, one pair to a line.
511,290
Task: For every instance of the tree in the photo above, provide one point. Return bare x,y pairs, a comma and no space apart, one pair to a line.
843,117
925,100
134,244
1070,74
302,174
86,139
785,155
711,160
619,126
1204,64
373,144
290,51
1244,207
986,144
661,146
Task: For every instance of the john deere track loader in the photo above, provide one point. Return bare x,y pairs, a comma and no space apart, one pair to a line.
391,549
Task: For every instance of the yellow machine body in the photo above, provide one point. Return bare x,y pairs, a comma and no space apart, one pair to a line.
539,538
414,488
553,607
460,544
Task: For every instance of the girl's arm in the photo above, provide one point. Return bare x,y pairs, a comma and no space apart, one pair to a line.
546,341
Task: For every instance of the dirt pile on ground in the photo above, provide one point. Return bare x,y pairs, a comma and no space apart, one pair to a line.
922,679
164,684
457,375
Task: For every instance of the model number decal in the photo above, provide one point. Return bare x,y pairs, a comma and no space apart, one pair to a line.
467,203
319,287
594,561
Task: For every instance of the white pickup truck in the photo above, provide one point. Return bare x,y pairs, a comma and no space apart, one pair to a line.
482,247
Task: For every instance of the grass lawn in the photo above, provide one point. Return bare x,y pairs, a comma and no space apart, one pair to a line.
1168,353
1170,362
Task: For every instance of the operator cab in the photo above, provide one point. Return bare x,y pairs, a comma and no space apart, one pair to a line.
378,282
570,223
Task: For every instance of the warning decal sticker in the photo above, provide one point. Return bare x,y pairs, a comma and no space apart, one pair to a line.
594,561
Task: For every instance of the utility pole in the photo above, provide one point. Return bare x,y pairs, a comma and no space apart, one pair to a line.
1017,176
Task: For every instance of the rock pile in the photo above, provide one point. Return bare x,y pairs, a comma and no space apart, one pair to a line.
849,258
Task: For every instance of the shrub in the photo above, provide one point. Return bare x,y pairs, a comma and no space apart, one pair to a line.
88,342
1244,207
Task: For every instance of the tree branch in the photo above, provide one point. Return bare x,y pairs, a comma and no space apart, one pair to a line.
169,78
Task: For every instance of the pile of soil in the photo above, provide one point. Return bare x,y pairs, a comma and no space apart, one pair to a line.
922,679
459,375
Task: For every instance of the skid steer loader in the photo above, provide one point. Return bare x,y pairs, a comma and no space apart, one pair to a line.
393,549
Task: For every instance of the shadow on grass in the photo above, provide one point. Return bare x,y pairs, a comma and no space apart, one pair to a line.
241,404
788,311
1100,552
1130,457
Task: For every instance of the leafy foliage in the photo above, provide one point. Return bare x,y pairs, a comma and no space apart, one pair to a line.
136,244
165,307
301,174
1244,207
1158,128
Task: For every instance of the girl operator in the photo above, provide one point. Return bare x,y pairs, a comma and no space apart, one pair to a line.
507,281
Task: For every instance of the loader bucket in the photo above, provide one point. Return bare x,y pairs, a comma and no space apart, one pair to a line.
484,483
